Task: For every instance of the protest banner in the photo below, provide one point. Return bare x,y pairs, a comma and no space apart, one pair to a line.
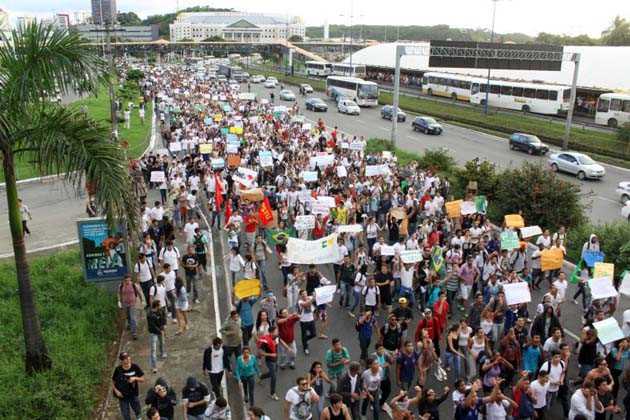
608,330
468,207
304,222
593,257
398,212
325,294
320,251
218,118
342,172
231,148
481,204
357,146
175,146
529,231
454,208
266,158
388,250
509,240
322,161
344,145
158,176
247,173
243,181
516,293
411,256
551,259
624,287
247,288
207,121
602,269
376,170
309,176
356,228
255,194
514,220
387,155
234,160
305,196
205,148
217,163
602,288
322,205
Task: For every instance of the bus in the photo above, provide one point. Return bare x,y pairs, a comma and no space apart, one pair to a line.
318,68
231,72
454,86
350,70
613,109
364,93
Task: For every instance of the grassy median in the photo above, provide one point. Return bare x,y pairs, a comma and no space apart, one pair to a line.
78,322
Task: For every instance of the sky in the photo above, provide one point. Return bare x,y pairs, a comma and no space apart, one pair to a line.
571,17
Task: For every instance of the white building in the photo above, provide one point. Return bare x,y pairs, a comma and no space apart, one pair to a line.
82,17
235,26
24,21
61,20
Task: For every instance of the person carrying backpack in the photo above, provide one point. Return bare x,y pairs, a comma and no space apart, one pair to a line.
299,400
128,295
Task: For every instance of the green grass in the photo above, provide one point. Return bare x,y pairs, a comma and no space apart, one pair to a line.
78,322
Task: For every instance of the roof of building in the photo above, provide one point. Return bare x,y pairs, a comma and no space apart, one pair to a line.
209,18
599,66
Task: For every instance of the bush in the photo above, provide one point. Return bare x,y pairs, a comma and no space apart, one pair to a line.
483,172
614,241
135,75
541,197
437,160
78,322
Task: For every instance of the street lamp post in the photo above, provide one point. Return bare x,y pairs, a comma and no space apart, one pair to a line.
494,14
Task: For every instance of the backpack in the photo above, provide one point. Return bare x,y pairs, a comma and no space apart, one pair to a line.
302,410
526,408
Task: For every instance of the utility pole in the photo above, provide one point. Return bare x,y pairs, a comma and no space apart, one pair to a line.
494,14
400,51
567,128
112,69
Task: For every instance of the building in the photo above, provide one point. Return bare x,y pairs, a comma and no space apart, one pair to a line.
62,20
24,21
235,26
82,17
104,12
5,25
98,33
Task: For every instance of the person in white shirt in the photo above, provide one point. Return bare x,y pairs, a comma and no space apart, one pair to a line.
170,254
584,401
213,364
555,369
540,387
371,295
169,284
299,400
157,212
544,240
561,284
189,229
144,275
235,263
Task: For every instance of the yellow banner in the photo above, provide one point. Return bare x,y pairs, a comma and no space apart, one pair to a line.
551,259
205,148
218,117
247,288
602,269
514,220
454,208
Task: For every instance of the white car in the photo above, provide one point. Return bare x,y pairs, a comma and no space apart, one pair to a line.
287,95
578,164
305,89
258,78
273,78
625,211
623,191
346,106
270,84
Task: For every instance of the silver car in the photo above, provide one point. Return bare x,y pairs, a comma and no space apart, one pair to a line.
577,164
287,95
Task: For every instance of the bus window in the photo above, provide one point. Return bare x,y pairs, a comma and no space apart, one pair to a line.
626,106
566,95
542,94
517,91
615,104
475,88
506,90
529,93
553,95
496,89
482,87
602,105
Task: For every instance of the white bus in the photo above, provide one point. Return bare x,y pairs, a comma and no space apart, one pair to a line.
350,70
454,86
613,109
362,92
318,68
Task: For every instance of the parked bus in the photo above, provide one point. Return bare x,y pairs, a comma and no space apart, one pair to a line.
454,86
613,109
318,68
350,70
364,93
231,72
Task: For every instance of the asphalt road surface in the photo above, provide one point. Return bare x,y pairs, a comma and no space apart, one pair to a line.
464,144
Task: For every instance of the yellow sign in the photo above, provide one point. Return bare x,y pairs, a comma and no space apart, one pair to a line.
247,288
602,269
514,220
238,130
232,130
454,208
551,259
205,148
217,117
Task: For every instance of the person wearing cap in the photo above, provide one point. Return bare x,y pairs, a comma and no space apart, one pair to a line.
125,379
431,323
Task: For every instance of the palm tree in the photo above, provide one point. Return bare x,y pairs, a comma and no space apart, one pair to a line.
35,61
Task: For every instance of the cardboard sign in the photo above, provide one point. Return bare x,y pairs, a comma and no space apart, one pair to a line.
175,146
530,231
624,287
158,176
509,240
608,330
411,256
454,208
247,173
468,207
205,148
309,176
342,172
231,148
325,294
551,259
399,213
217,163
243,181
247,288
321,162
388,250
304,222
602,269
321,251
255,194
514,220
357,146
266,158
234,161
356,228
602,288
516,293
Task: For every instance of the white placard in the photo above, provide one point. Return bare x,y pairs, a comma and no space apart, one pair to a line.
344,145
175,146
468,207
321,251
602,288
356,228
624,288
231,148
357,146
266,159
244,181
306,126
304,222
322,161
325,294
516,293
309,176
342,172
388,250
529,231
157,176
247,173
376,170
305,196
217,163
608,330
410,256
387,155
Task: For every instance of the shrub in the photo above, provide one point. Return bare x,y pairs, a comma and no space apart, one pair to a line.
135,75
541,196
78,322
437,160
483,172
614,241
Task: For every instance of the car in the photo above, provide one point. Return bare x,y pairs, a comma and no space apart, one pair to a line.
258,78
273,78
244,76
287,95
315,104
528,143
578,164
387,113
346,106
623,191
270,84
305,89
427,125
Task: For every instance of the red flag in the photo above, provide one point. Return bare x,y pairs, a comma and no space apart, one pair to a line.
218,191
265,212
228,210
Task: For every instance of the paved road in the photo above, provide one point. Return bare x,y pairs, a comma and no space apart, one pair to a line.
466,144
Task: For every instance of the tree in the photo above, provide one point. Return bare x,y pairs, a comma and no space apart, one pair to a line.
214,38
34,60
618,33
129,19
295,38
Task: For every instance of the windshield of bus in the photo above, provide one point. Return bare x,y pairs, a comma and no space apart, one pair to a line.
368,91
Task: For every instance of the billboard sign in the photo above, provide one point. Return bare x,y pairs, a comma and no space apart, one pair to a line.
104,253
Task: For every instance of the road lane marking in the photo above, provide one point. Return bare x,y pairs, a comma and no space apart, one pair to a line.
608,199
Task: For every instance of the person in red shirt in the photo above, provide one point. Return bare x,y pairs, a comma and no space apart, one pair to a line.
268,350
251,224
440,309
286,343
431,323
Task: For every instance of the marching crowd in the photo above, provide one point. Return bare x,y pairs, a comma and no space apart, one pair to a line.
439,317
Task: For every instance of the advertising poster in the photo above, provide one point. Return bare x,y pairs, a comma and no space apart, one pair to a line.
103,250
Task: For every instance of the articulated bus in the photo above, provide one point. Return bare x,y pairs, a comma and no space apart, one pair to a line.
519,96
364,93
613,109
318,68
349,70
